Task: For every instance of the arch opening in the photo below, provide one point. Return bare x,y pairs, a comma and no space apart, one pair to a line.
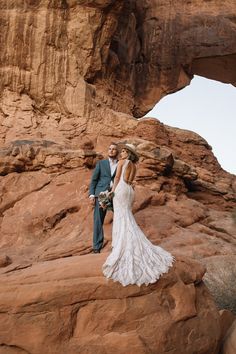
206,107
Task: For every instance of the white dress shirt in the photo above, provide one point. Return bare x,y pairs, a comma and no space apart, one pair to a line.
113,164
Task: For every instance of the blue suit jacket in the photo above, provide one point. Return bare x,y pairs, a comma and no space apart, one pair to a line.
101,178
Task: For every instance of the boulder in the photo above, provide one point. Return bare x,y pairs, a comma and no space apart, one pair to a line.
220,279
68,306
229,344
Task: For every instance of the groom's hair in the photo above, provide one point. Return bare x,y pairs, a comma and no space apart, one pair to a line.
115,144
112,143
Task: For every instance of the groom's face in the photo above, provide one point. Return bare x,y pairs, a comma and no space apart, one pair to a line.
113,151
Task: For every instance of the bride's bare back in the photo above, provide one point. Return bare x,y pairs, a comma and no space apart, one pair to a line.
130,172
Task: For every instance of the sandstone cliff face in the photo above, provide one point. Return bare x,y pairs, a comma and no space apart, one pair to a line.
63,52
71,74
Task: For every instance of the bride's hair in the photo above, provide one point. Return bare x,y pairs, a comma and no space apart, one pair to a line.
131,156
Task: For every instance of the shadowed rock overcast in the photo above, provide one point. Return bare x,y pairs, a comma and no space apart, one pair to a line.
74,76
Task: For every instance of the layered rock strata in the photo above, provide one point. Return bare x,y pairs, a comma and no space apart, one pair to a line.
73,74
69,307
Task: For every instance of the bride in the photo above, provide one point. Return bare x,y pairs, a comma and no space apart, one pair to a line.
134,259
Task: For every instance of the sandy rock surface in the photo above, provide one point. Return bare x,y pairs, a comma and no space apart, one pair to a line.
68,306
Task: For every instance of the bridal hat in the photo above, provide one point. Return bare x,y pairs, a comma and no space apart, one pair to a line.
131,148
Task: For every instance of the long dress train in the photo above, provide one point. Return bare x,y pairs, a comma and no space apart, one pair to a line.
134,259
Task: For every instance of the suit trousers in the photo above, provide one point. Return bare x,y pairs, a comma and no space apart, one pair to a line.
98,220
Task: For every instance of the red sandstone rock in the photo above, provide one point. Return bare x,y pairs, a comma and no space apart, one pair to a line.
68,306
229,345
4,261
126,54
71,73
226,320
220,279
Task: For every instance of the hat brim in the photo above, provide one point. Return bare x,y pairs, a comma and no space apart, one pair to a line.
124,146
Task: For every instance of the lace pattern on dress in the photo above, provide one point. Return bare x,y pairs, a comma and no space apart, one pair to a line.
134,259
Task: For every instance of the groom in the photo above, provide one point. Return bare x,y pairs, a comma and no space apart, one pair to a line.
102,180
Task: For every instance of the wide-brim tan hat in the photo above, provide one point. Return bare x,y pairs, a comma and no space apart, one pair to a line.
129,147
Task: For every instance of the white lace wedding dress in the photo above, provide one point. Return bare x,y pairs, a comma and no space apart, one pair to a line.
134,259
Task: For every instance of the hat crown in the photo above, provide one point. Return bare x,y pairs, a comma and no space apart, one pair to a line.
131,146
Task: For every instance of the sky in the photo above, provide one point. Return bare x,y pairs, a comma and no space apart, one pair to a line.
208,108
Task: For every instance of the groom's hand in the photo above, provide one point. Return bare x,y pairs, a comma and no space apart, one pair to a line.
92,200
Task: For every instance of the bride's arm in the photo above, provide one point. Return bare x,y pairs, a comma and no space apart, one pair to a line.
117,176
